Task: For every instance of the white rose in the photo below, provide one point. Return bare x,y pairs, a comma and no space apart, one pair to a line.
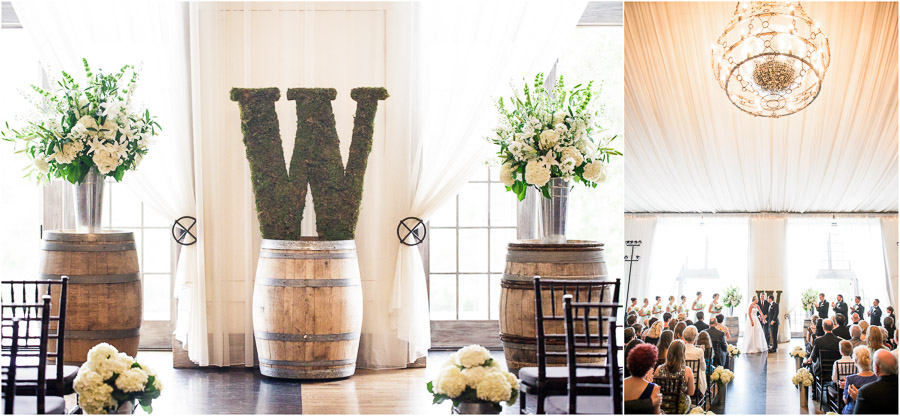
493,388
41,165
549,139
507,175
537,173
450,381
559,117
575,154
595,172
132,380
472,355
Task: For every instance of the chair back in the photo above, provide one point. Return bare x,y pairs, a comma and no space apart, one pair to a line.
826,363
556,290
670,388
9,371
716,352
694,365
15,292
585,343
845,369
30,342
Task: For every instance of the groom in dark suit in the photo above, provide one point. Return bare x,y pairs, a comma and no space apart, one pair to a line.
763,315
822,307
772,317
840,307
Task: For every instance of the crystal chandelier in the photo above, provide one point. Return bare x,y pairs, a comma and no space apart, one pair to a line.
771,58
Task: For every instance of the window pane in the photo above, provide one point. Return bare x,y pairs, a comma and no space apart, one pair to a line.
445,216
503,206
495,296
473,296
473,250
156,297
157,251
126,209
481,174
442,255
473,205
500,238
443,296
155,219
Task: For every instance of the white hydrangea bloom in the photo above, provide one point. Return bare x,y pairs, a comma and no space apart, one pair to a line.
472,355
450,381
549,139
41,164
494,388
574,153
537,173
507,174
595,172
132,380
559,117
474,375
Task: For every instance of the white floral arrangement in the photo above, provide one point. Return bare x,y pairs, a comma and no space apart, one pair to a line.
802,378
471,375
798,352
543,136
808,300
732,297
76,128
717,307
111,378
699,306
697,410
733,351
721,375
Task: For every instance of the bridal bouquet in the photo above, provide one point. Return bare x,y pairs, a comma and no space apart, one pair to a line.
471,375
802,378
545,135
732,297
808,300
110,379
733,351
798,352
79,127
721,375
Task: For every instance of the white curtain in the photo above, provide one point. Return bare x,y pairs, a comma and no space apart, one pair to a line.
152,36
690,150
767,265
465,56
640,228
889,233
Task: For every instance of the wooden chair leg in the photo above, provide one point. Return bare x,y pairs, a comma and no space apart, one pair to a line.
540,402
522,402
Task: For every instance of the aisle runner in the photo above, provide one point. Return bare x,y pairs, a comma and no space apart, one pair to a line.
747,393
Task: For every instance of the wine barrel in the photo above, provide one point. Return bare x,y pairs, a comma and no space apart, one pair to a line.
525,259
732,323
105,301
307,308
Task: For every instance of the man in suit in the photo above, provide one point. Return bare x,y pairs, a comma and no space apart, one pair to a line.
772,317
841,331
764,309
716,334
822,307
858,307
701,326
879,396
827,342
666,318
840,307
875,314
855,318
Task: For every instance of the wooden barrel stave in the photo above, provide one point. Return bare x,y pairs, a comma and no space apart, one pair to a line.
105,301
307,309
578,260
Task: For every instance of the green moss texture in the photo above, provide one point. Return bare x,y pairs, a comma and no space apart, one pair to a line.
280,195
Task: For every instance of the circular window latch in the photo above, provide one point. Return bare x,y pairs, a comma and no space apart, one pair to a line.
181,230
411,231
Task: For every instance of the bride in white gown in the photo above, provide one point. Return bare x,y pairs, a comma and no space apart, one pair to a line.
755,340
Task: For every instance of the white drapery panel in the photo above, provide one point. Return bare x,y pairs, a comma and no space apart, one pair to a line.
767,266
639,228
465,56
889,233
154,37
690,150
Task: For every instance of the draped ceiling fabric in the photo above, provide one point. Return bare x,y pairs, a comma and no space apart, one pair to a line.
690,150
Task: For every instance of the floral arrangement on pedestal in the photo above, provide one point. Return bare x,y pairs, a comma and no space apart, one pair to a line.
798,352
111,380
77,128
722,376
470,375
697,410
808,300
733,351
733,297
802,378
544,135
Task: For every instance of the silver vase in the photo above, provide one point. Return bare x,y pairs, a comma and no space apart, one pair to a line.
799,362
554,212
475,408
804,396
89,203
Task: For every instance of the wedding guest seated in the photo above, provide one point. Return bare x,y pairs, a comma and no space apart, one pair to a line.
628,334
671,325
666,318
855,332
638,330
719,319
641,395
692,352
705,342
841,330
674,367
855,318
864,327
681,317
662,346
853,382
701,326
627,350
823,343
688,322
846,349
679,330
650,323
875,340
810,334
891,328
716,334
654,332
880,396
631,319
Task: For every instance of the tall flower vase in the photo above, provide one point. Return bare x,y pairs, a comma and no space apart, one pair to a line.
799,362
804,396
554,212
720,397
89,203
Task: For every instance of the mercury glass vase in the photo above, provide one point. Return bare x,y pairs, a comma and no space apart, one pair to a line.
89,203
475,408
554,212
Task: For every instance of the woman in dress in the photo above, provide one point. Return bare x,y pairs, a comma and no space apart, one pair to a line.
683,307
698,304
658,308
672,307
665,339
641,395
674,367
856,381
634,307
715,307
654,332
755,340
645,309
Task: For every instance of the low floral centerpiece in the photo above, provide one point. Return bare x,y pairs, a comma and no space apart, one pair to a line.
803,379
808,300
546,140
732,298
697,410
733,351
111,382
799,354
471,377
83,133
722,376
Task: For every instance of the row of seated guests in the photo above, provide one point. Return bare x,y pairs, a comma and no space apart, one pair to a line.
873,388
873,337
664,351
